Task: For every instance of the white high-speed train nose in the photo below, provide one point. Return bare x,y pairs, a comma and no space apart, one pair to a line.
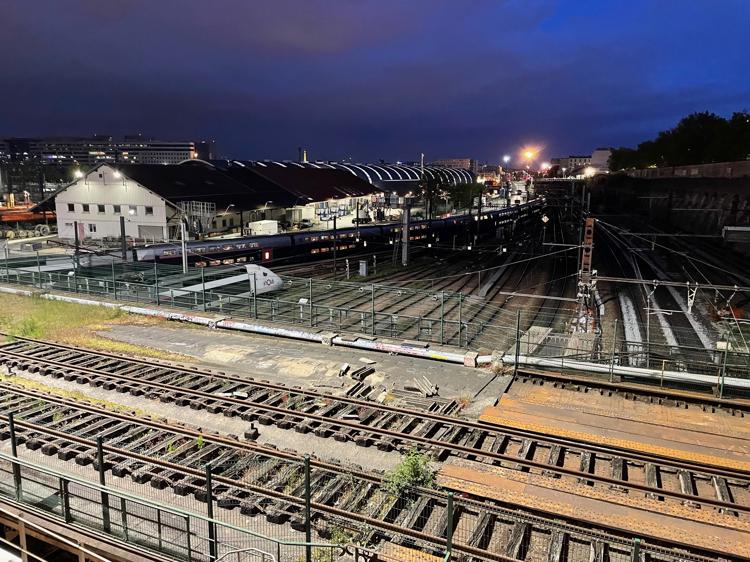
265,279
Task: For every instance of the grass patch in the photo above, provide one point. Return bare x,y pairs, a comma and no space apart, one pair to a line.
75,324
71,395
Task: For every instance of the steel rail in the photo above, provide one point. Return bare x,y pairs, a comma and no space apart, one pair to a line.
468,450
323,508
633,454
259,490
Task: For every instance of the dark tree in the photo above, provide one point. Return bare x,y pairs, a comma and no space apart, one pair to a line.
699,138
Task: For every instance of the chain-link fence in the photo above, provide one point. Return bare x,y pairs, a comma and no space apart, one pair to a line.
547,329
439,317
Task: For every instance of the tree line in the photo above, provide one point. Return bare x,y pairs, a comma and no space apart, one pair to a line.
699,138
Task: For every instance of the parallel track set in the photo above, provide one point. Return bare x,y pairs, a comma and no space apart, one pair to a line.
262,480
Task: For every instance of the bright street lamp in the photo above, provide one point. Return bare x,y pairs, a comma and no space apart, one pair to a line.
506,158
78,174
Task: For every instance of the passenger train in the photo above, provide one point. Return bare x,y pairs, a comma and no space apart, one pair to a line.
319,244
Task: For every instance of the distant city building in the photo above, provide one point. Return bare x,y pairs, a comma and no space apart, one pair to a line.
600,159
463,163
571,162
490,175
90,151
206,150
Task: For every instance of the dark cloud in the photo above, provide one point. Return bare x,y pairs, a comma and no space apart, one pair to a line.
371,79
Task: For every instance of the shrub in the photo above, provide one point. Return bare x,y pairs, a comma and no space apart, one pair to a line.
413,470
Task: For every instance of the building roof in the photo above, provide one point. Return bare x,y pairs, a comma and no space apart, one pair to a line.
250,185
192,183
315,184
186,182
386,177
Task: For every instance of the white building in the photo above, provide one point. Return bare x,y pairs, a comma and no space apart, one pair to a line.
97,201
151,199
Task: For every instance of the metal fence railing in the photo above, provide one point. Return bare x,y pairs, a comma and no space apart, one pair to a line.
172,532
548,330
254,503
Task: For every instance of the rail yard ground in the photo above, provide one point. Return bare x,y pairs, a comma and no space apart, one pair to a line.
541,468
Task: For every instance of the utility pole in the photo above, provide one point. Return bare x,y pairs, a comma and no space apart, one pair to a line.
76,241
123,240
405,236
585,279
335,244
356,221
183,243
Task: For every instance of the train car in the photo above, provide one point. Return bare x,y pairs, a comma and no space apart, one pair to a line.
457,230
258,280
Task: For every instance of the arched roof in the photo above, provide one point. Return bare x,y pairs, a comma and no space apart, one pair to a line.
386,176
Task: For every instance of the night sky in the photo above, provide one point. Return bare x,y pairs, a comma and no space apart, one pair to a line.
372,79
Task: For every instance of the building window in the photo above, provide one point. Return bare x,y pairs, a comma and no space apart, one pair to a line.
100,208
149,210
223,223
92,228
117,209
85,208
231,221
71,207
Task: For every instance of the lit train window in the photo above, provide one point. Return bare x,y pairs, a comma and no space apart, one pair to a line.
315,251
169,253
314,239
266,255
324,250
241,260
214,262
228,261
200,264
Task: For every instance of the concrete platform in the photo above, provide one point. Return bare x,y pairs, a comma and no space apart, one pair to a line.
714,438
640,516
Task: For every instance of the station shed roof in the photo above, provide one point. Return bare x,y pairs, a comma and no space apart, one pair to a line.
398,177
176,184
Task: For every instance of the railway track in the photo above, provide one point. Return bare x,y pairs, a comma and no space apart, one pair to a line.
688,484
259,481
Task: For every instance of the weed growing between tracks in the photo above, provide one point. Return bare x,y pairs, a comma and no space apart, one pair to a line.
413,470
74,324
